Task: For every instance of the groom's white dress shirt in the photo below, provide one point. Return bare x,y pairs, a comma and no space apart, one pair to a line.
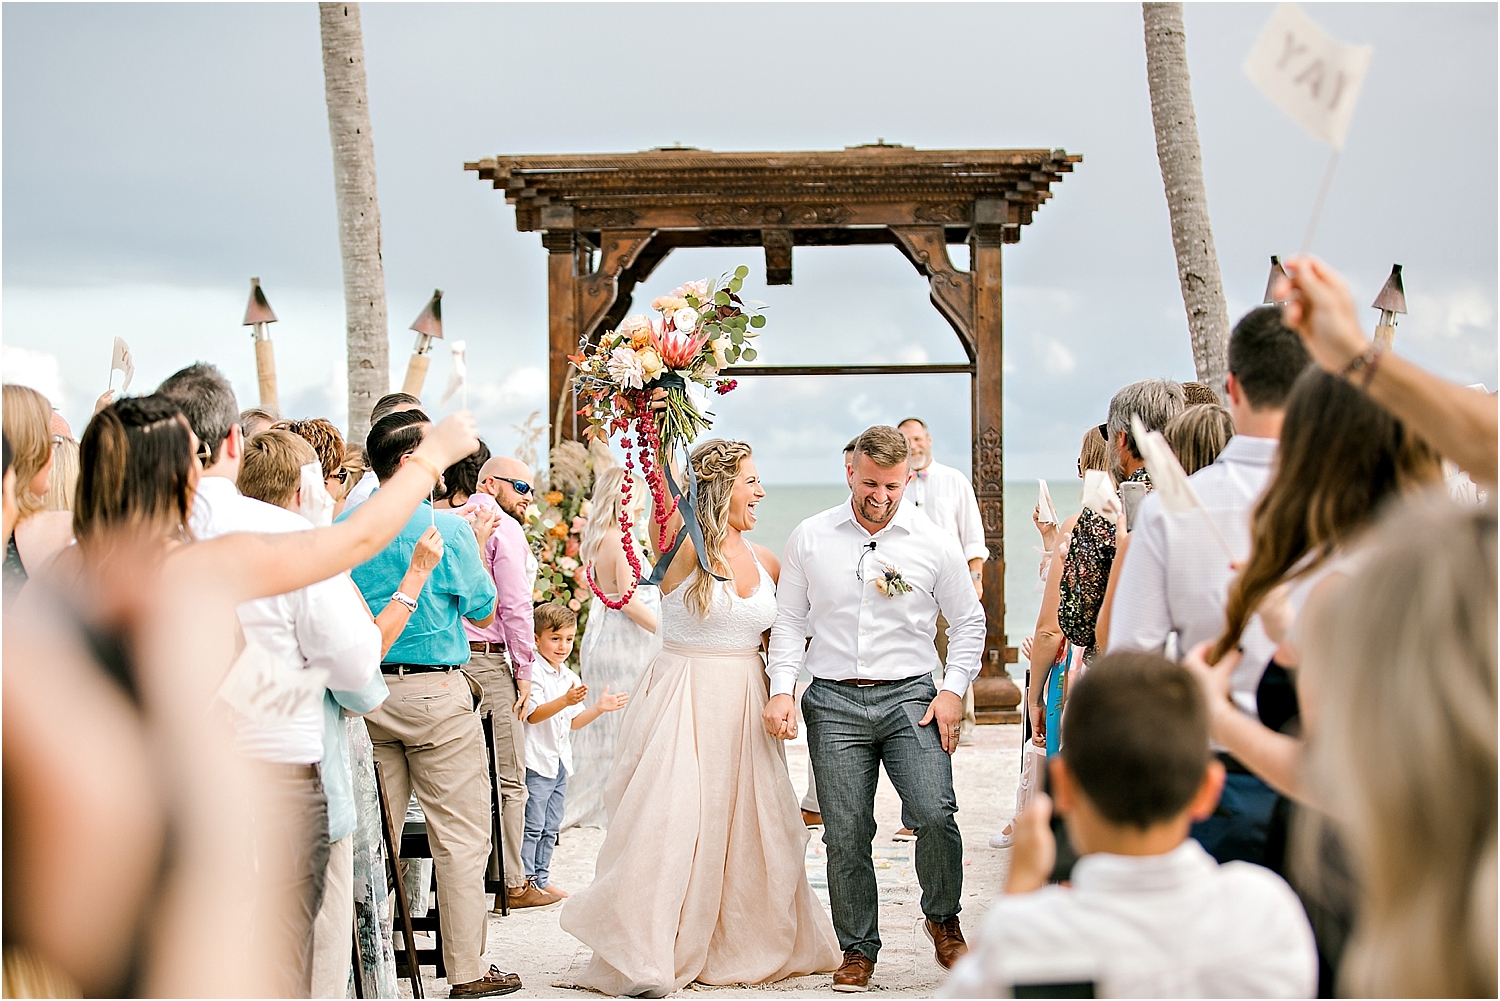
828,576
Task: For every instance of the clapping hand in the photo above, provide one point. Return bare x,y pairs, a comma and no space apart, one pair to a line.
576,695
482,520
612,703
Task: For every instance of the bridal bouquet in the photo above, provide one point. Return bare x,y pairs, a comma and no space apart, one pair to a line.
700,330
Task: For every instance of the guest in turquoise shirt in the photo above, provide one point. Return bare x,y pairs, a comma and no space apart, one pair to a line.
458,588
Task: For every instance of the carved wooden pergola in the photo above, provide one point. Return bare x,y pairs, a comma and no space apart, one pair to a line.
608,219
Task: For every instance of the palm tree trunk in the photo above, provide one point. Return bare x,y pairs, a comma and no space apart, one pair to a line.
1182,175
359,211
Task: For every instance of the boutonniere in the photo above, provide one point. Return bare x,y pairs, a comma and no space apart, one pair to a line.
890,582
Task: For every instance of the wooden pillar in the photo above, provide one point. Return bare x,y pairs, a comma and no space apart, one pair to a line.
995,694
562,329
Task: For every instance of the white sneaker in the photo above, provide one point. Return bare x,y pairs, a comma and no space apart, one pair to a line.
1006,838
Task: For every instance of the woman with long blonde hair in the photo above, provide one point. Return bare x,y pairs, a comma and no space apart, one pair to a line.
39,533
619,642
702,874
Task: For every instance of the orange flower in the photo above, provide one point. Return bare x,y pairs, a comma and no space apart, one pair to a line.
554,497
561,531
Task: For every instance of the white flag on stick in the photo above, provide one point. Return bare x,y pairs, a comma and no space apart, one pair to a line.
1315,79
120,361
1099,495
1169,481
458,379
1046,514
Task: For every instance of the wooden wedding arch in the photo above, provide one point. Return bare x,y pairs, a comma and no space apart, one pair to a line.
608,219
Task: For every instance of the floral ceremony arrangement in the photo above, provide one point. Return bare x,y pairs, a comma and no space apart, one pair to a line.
554,530
700,330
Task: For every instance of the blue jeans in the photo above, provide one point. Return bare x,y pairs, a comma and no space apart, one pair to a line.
851,732
544,813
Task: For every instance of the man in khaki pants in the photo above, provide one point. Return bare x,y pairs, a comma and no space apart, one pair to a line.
427,735
502,653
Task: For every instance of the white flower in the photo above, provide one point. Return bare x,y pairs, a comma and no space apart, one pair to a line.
651,363
685,319
626,369
719,345
698,290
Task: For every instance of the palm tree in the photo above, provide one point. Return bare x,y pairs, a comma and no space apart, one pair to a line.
1182,175
359,211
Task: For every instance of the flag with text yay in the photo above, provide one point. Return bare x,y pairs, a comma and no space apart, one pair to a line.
458,378
1315,79
120,361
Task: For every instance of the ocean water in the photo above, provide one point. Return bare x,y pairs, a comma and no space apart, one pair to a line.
786,505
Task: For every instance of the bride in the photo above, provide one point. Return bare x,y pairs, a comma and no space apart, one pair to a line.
702,874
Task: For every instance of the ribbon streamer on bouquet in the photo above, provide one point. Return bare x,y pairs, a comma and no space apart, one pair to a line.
687,504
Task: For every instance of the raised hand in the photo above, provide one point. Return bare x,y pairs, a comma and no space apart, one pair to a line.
1319,307
453,439
612,703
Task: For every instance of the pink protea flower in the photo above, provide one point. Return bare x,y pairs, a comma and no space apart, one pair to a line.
677,348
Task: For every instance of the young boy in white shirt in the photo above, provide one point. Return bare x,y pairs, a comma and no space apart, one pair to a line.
553,711
1148,912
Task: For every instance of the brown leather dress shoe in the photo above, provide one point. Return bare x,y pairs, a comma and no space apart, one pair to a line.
854,975
948,940
530,895
492,984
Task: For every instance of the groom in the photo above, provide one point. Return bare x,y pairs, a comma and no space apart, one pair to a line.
871,576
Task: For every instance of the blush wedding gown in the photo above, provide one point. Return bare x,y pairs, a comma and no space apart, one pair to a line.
702,874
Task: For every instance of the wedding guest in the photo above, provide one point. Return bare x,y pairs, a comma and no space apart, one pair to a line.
328,443
1401,752
110,737
391,403
1195,394
501,654
1464,427
254,420
619,642
554,709
323,626
62,485
427,735
351,471
1199,434
39,533
1177,577
461,480
1094,541
1148,913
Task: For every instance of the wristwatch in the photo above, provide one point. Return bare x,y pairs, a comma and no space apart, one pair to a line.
405,599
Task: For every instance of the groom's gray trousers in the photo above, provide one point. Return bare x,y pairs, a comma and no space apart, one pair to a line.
851,731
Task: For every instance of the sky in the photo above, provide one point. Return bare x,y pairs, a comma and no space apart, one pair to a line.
156,156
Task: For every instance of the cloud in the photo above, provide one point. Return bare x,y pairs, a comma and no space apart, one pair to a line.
37,369
1058,360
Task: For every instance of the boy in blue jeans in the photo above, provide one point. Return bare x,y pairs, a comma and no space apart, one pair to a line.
554,710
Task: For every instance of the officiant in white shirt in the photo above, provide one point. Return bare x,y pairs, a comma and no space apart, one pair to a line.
870,577
946,497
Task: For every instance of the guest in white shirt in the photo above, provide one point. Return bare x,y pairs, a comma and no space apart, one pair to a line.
324,626
388,404
871,576
1175,577
1148,913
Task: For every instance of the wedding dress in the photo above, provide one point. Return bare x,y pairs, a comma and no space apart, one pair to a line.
702,874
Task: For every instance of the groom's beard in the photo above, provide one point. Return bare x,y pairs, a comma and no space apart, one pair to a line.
877,513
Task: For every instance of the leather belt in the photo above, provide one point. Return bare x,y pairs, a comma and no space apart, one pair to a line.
870,682
477,646
405,669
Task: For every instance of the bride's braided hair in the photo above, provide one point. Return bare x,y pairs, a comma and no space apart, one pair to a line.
716,464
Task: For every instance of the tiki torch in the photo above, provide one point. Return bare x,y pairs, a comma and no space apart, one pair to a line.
1277,271
428,324
257,315
1390,301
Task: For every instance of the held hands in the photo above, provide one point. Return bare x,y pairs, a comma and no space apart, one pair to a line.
457,436
780,717
523,693
428,551
947,711
1035,851
612,703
